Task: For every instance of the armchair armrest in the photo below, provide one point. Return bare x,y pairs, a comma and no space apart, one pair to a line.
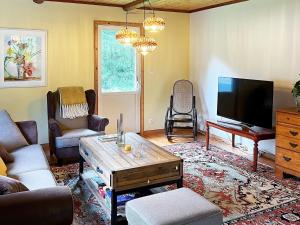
54,128
97,123
49,206
29,130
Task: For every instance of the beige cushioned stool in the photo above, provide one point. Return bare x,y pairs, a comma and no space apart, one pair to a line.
177,207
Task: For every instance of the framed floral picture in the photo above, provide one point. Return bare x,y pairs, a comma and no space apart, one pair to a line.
23,58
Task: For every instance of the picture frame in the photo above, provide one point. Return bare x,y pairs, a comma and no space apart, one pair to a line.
23,58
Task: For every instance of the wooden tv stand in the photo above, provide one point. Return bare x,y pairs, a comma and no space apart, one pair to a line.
256,134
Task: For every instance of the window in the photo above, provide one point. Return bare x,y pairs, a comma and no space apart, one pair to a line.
118,64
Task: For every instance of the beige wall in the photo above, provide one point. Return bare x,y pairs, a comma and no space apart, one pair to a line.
258,39
70,56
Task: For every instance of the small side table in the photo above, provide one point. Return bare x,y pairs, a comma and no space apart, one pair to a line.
256,134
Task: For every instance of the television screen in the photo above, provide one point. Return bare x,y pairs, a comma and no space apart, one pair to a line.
247,101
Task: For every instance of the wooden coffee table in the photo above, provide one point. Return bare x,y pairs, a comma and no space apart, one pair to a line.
123,173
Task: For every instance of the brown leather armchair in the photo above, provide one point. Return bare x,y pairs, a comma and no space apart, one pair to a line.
64,134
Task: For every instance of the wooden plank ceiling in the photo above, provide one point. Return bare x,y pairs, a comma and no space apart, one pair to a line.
185,6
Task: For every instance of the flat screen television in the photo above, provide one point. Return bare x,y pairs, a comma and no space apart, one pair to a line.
247,101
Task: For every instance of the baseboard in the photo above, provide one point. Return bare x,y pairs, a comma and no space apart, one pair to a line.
149,132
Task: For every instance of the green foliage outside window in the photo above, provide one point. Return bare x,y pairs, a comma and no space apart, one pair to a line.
118,64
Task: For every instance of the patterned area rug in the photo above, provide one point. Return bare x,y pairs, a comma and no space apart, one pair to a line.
222,177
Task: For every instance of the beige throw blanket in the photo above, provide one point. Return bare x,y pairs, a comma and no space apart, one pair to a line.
73,102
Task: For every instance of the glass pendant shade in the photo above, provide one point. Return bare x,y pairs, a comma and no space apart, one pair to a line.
154,24
126,36
144,45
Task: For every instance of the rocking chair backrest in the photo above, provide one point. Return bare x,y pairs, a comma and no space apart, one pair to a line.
183,96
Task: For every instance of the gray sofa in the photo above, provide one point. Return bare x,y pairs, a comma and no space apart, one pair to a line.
45,202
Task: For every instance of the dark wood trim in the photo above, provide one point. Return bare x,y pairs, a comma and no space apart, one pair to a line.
138,3
167,10
133,5
96,69
217,5
80,2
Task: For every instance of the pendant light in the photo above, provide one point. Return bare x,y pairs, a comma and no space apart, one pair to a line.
153,23
144,44
126,36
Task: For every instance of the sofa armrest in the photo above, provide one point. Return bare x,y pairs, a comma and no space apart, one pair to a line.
29,130
97,123
54,128
49,206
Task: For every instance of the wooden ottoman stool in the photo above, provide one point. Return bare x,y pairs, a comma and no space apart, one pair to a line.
177,207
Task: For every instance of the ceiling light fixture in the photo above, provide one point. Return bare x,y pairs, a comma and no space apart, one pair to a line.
144,45
126,36
153,23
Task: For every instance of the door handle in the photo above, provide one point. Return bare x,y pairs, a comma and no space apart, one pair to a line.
294,133
287,158
293,145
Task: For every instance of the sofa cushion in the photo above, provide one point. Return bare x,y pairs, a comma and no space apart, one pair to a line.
71,138
9,185
7,158
26,159
3,168
10,135
37,179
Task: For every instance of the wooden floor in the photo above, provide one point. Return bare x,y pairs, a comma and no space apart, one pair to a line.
159,138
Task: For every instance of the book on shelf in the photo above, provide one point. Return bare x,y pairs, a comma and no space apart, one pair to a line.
101,191
121,199
97,182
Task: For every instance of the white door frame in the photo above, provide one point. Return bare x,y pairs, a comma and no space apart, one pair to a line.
140,67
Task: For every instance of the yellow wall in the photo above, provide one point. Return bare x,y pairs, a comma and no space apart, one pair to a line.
70,56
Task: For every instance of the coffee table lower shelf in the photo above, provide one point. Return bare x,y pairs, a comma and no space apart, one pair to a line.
87,178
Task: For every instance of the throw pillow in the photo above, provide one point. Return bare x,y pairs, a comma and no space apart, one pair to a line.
7,158
11,137
9,185
3,168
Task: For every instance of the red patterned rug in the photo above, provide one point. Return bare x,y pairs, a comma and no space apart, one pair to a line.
226,179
